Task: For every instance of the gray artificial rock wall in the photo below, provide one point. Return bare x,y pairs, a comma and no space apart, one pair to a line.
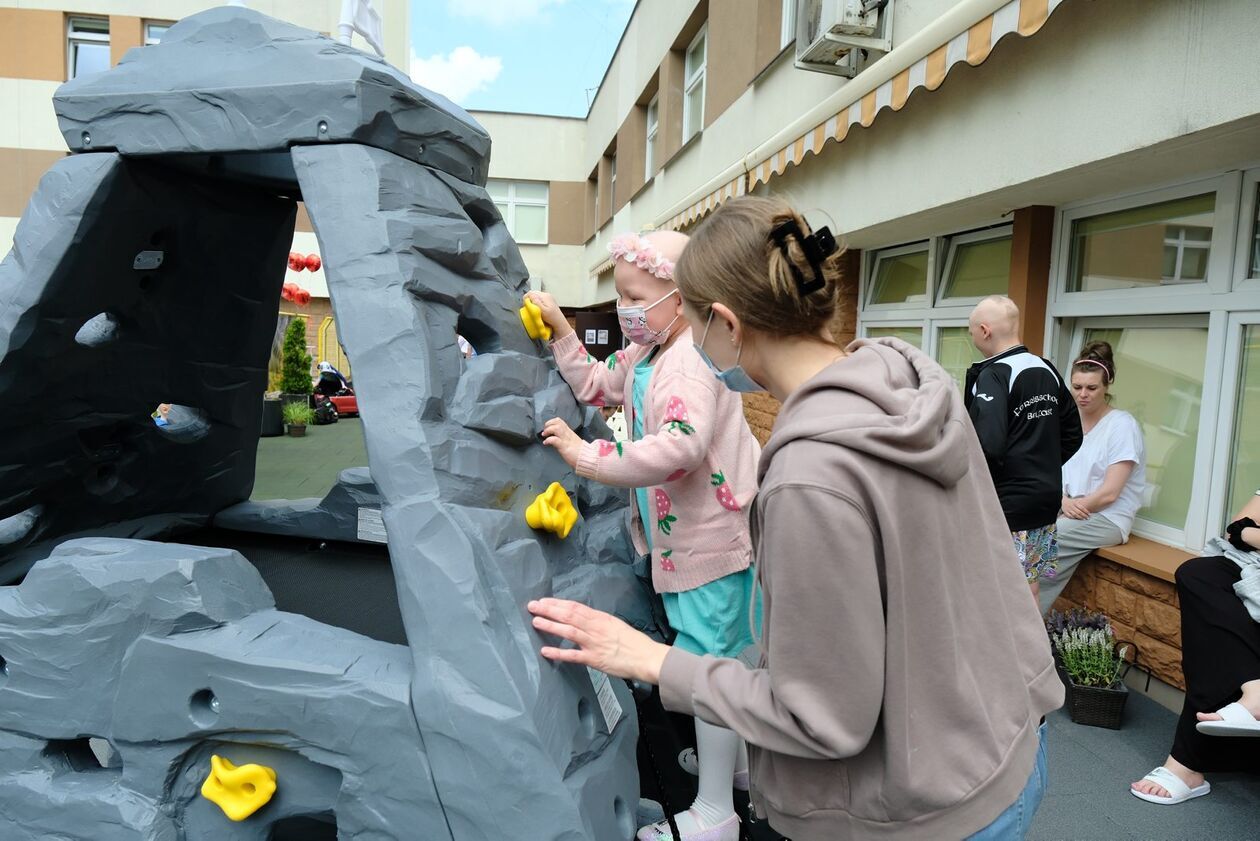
160,246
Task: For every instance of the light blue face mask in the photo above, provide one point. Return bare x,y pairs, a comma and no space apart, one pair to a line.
735,378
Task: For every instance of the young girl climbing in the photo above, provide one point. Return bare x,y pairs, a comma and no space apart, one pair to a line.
905,671
692,461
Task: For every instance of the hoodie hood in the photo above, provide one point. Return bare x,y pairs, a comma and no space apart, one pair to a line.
887,400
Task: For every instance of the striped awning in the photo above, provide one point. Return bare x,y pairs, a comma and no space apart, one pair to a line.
1021,17
606,266
736,187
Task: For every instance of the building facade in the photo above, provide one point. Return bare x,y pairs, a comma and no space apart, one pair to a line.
1099,162
43,43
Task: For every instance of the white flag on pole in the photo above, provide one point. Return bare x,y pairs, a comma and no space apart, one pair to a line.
359,16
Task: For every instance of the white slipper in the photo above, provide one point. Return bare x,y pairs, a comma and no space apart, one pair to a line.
1236,722
1173,784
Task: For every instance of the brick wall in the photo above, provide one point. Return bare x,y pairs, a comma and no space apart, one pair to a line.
761,409
1143,609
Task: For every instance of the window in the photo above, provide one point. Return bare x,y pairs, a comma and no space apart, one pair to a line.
154,33
1253,270
1244,449
787,29
523,205
956,353
911,335
1142,247
899,275
1159,380
87,46
978,265
612,175
653,122
693,87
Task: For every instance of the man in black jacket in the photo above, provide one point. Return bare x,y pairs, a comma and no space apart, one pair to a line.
1028,427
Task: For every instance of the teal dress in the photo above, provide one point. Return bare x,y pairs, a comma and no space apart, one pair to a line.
713,618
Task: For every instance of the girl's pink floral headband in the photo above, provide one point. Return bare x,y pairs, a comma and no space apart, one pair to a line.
639,251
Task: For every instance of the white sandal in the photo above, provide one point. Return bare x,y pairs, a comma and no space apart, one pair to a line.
1236,721
1174,785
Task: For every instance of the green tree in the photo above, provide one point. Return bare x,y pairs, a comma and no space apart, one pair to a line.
296,375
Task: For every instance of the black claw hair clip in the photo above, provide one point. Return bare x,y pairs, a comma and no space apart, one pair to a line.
818,246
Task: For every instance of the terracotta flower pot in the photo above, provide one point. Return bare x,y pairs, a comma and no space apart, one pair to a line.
297,430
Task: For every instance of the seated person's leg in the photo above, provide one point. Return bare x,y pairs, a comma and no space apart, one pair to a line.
1077,538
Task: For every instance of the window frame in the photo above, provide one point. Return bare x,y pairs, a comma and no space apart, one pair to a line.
148,27
950,245
936,325
653,129
513,201
698,78
1192,533
872,260
1218,509
1220,262
1226,300
1248,227
75,36
905,324
787,24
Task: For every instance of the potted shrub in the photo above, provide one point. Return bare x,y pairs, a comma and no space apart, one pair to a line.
297,416
295,374
1092,667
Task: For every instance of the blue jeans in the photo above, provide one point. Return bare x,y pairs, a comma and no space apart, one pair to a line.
1013,824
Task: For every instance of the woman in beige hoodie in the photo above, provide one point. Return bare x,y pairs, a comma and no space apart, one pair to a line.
905,673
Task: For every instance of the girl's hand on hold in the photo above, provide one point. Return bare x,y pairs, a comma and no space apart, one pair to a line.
1074,509
558,435
551,313
603,641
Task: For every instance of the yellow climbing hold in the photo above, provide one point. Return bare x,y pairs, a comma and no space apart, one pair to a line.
239,792
531,317
552,511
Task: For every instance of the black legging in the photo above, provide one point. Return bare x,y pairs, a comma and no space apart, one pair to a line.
1220,651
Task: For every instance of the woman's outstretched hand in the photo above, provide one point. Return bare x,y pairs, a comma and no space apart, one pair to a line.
603,641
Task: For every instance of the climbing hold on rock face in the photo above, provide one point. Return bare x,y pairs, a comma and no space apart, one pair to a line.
239,792
552,511
531,317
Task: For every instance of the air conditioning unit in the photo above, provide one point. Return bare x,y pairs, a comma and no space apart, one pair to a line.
838,36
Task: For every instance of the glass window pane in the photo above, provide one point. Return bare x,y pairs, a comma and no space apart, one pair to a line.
695,115
979,269
497,188
652,111
1142,246
1159,380
956,353
1244,460
90,58
531,190
911,335
502,207
96,26
1255,240
154,33
695,57
531,223
899,278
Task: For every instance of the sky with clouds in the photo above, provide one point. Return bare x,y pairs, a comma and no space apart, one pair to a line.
533,56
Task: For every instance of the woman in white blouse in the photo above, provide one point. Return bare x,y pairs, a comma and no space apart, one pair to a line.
1104,482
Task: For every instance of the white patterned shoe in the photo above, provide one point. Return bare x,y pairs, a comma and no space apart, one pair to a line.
727,830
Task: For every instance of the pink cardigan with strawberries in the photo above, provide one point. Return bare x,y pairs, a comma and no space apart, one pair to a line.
698,459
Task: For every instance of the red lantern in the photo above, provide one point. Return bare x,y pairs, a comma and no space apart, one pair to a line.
303,298
296,261
313,262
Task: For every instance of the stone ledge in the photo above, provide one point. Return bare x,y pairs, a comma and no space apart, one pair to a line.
1157,560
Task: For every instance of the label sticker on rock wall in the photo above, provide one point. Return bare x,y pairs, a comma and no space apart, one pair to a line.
371,526
608,703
